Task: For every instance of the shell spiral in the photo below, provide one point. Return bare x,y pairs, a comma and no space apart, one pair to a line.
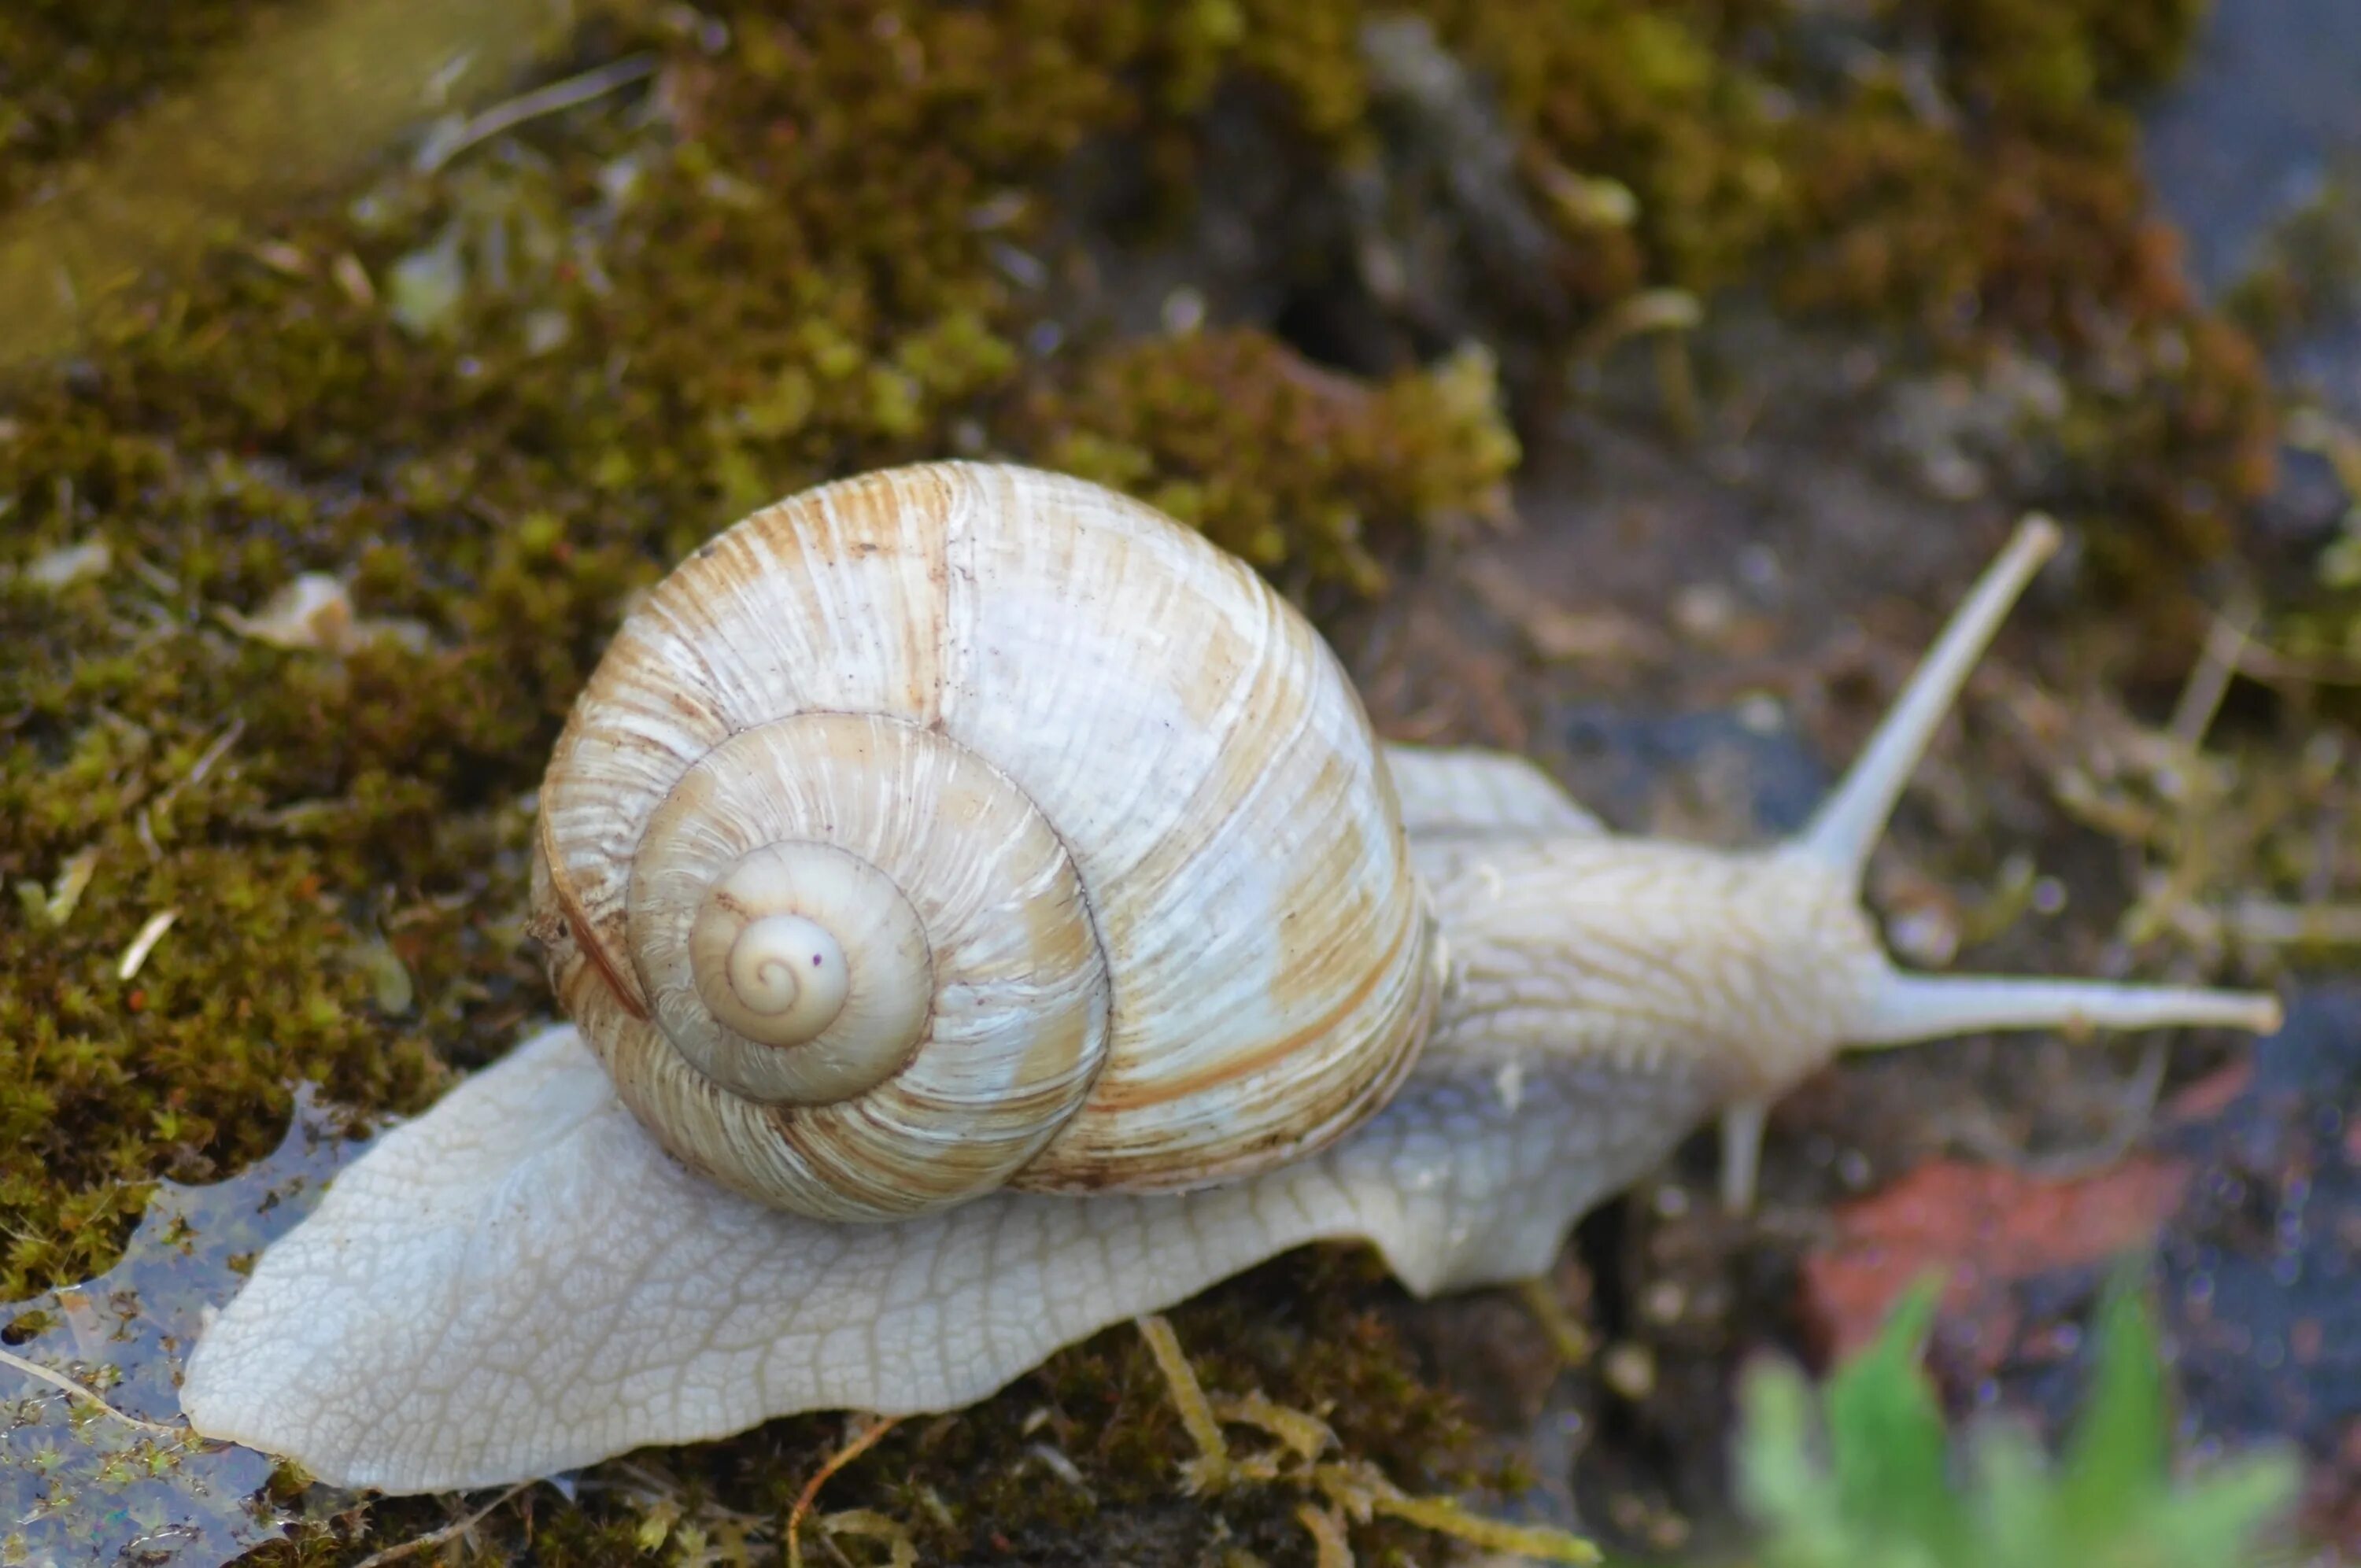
964,826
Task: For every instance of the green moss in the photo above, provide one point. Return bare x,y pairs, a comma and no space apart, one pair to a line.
1656,98
2062,62
1994,198
2027,220
1309,475
1983,194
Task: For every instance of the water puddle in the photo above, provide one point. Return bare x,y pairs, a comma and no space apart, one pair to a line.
80,1485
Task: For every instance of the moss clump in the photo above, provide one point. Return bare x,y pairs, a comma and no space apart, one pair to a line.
1302,472
1998,200
1660,99
1965,169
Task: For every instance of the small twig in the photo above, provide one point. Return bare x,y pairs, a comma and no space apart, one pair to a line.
204,764
1213,1466
2265,921
1649,310
1326,1528
145,943
1305,1435
1445,1516
437,1537
810,1494
1355,1488
441,149
1360,1490
2209,681
146,571
2132,1112
1568,1338
2271,668
66,1385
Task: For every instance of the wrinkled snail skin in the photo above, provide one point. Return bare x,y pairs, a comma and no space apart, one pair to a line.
523,1280
576,1293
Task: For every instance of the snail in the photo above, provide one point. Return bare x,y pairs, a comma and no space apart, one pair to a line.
986,915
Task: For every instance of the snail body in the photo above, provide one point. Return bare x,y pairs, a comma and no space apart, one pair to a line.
1217,975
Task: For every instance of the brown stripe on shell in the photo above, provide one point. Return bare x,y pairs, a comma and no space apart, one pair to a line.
1115,1098
559,917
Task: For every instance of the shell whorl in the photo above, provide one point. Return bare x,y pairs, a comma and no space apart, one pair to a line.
770,949
1095,823
777,979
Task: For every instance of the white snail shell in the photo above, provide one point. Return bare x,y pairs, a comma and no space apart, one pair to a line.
961,825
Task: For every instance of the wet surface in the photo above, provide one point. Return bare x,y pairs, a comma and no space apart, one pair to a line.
2257,142
1747,756
2256,124
2260,1271
80,1485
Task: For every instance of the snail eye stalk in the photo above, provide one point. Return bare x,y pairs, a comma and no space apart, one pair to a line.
1901,1008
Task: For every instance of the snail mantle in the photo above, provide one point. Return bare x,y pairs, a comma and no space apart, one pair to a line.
987,915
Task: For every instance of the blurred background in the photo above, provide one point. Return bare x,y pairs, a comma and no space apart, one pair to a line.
1634,385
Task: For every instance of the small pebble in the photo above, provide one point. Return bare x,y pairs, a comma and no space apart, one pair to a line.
70,565
1629,1368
